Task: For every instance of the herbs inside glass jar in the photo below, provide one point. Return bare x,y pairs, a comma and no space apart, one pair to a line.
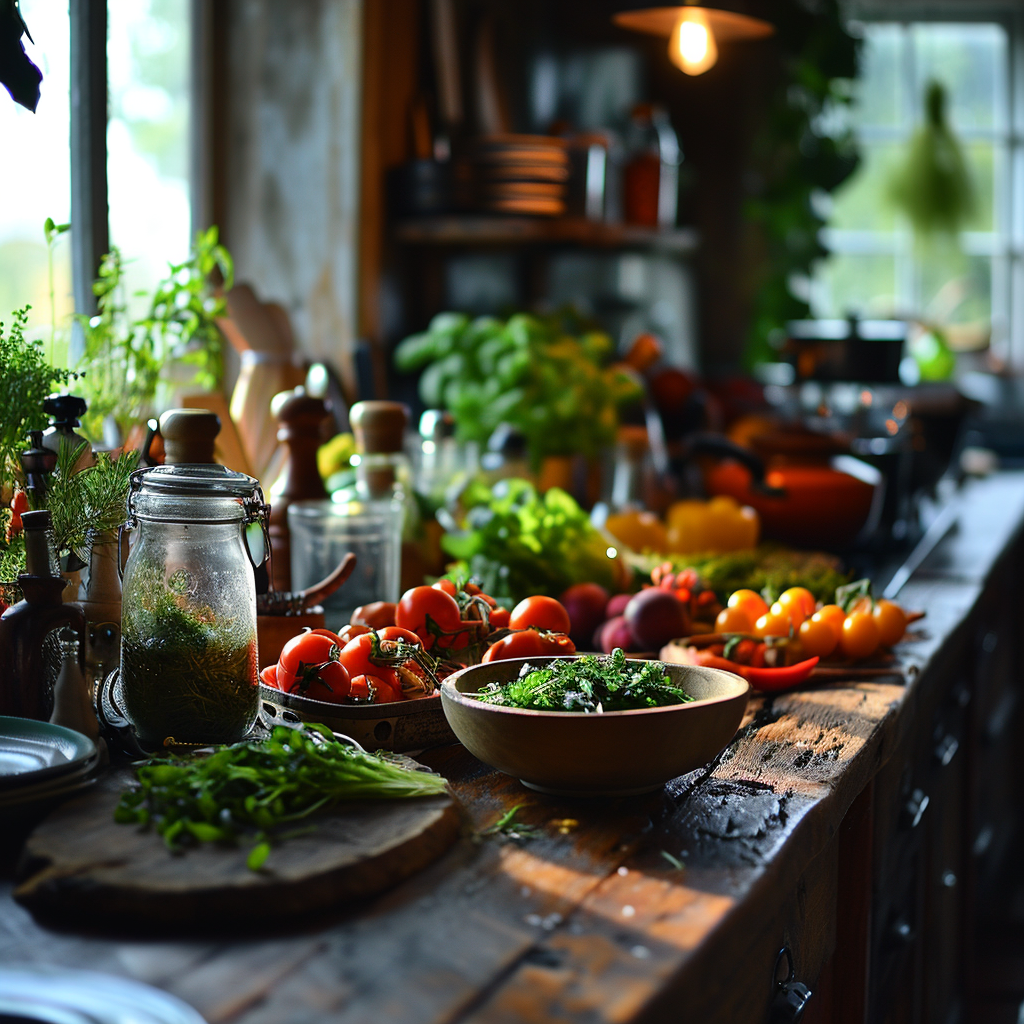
193,674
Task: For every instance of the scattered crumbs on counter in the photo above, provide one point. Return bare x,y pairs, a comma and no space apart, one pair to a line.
564,825
628,911
623,870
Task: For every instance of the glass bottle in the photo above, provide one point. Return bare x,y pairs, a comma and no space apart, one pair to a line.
189,664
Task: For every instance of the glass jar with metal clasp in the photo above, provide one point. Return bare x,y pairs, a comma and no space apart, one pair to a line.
189,665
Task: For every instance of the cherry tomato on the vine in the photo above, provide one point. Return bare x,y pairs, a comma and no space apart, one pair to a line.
540,612
734,620
529,643
499,617
773,623
860,635
398,633
891,621
356,654
798,603
300,652
834,616
817,637
751,602
428,613
447,586
350,632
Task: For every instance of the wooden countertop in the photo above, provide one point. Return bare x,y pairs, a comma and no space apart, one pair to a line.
593,920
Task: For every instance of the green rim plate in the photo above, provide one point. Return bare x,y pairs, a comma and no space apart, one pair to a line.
32,751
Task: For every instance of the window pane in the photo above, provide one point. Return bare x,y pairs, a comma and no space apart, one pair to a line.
147,137
865,285
36,175
861,203
981,165
880,87
970,61
956,288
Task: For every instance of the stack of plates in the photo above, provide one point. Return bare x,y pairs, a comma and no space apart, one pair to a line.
523,174
33,992
40,761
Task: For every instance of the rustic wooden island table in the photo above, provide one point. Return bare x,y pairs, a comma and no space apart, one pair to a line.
853,824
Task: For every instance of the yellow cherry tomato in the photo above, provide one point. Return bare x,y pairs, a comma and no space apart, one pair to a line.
772,624
891,621
799,604
834,616
817,637
860,635
751,602
734,620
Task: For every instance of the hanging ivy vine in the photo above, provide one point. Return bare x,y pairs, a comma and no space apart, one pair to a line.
799,154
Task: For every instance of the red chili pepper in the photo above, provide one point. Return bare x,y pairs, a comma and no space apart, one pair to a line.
772,680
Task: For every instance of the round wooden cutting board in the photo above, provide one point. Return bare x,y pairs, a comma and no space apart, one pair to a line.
80,864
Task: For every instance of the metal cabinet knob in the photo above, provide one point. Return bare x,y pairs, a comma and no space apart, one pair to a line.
791,996
915,808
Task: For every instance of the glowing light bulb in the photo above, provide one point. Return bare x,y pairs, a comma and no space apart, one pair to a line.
692,47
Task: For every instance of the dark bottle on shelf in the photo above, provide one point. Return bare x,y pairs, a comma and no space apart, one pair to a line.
30,631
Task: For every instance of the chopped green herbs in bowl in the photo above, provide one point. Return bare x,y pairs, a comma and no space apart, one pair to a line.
593,726
591,684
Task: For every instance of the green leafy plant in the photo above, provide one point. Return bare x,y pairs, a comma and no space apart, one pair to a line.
932,186
82,505
798,156
26,378
250,790
516,542
125,360
532,373
590,684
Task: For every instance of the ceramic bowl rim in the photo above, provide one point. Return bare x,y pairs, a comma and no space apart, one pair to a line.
453,693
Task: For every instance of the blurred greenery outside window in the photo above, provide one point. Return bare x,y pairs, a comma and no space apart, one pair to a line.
877,268
148,80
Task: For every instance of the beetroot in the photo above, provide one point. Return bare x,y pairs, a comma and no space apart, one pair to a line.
655,616
615,633
617,605
585,603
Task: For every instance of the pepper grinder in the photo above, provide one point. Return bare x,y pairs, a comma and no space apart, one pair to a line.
301,417
38,463
189,435
30,631
65,412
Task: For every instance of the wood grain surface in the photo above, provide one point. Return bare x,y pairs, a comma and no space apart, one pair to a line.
667,907
81,865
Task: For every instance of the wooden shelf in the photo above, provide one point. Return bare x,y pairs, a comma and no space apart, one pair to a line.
480,230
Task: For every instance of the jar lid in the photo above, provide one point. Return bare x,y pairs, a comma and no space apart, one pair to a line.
195,480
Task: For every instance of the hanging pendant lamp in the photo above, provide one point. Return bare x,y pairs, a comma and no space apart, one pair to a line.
694,33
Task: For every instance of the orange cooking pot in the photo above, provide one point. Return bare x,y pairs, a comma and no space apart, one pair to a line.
821,504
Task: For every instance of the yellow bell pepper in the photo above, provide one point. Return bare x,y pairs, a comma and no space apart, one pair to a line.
720,524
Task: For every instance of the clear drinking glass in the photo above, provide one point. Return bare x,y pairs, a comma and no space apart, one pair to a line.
323,532
189,664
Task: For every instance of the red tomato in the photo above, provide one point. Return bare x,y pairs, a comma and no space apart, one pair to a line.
541,613
397,633
268,676
429,613
350,632
299,653
372,689
329,632
356,654
331,683
499,618
528,643
447,586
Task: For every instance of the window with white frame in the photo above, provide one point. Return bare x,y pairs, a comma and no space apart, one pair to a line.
877,267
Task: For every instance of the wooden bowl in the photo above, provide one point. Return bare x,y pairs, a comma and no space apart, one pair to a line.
618,753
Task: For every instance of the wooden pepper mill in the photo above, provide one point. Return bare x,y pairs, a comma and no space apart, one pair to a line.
30,652
301,419
189,436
